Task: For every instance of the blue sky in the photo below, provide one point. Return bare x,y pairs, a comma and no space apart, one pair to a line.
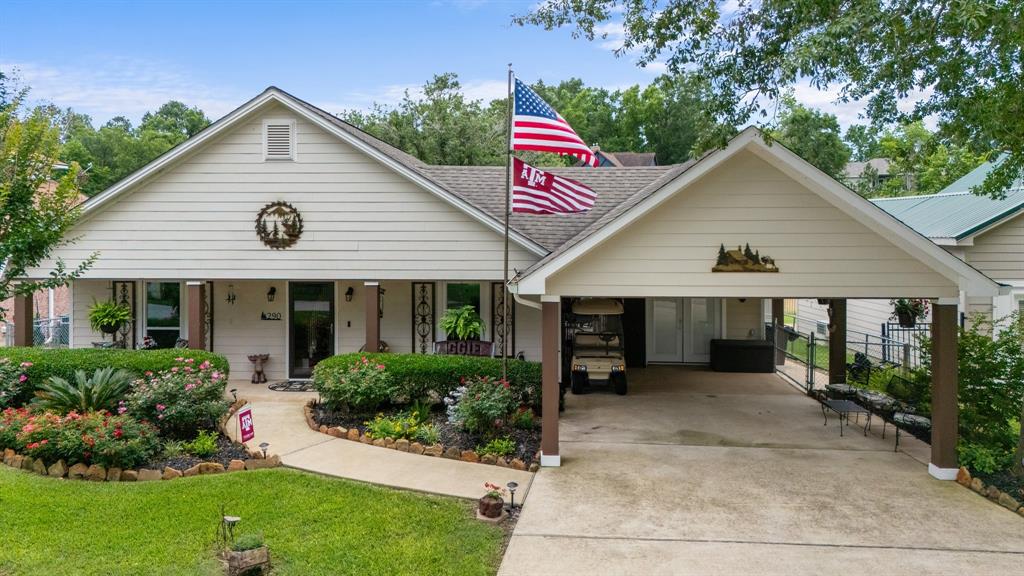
124,58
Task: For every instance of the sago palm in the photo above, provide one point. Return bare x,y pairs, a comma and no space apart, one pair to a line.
101,391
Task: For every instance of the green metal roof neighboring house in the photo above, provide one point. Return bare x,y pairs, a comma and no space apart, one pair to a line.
955,213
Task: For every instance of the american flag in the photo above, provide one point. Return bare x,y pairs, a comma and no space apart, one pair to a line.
536,126
537,192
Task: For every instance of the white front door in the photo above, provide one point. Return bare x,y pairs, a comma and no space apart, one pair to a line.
666,332
701,322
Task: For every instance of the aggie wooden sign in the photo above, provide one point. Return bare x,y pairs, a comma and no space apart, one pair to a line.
248,432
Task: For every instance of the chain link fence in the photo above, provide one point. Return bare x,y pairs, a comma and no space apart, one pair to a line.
46,333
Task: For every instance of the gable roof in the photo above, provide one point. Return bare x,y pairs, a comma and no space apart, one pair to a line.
399,161
956,213
533,280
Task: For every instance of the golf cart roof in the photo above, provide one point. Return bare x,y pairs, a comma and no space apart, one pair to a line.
597,306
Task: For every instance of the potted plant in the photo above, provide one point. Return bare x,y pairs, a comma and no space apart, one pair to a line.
463,323
492,503
907,311
108,317
247,553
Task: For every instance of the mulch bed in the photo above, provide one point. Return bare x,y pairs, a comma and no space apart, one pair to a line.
1006,482
226,452
527,441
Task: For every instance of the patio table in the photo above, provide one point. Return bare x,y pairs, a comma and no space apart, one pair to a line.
844,408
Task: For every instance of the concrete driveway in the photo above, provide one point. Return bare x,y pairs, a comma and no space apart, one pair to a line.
705,473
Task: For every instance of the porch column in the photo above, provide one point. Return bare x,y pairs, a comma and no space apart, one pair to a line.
550,334
836,341
23,320
945,410
778,320
372,309
196,304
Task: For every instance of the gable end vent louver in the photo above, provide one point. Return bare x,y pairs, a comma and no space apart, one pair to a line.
279,140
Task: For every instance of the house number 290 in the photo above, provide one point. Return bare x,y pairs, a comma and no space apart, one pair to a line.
270,316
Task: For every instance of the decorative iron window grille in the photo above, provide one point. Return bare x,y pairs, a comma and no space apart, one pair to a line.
423,306
124,294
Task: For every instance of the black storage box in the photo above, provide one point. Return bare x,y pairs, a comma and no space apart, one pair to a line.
742,355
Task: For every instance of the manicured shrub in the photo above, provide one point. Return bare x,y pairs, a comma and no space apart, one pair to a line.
204,445
15,384
482,405
497,447
417,376
407,426
102,390
90,438
62,362
181,400
361,387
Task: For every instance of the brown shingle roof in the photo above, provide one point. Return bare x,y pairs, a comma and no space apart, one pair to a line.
484,187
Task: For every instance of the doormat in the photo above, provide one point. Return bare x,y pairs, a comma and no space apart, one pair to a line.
292,386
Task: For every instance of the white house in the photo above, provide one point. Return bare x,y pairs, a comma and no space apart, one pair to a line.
283,230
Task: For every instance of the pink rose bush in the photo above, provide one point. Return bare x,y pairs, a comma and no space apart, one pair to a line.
362,388
91,438
181,400
15,387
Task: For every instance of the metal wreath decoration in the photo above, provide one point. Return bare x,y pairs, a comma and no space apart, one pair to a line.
279,225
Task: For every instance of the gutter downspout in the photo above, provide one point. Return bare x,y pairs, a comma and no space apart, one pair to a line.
513,287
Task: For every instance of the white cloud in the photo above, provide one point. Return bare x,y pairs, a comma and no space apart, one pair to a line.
121,87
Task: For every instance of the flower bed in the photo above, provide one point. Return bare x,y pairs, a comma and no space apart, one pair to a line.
105,447
452,442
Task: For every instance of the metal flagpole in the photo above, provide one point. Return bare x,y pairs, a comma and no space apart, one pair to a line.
508,208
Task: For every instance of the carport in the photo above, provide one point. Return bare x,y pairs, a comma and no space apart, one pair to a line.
799,234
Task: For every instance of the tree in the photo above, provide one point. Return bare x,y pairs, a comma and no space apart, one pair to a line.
814,136
863,142
963,59
441,126
921,162
36,209
117,148
679,126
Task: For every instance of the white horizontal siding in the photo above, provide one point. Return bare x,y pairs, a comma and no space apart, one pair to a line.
196,219
83,294
239,331
820,251
999,253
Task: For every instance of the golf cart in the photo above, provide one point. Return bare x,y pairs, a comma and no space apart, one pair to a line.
597,352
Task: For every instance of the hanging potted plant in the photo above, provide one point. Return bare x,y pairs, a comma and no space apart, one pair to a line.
462,323
108,317
492,503
907,311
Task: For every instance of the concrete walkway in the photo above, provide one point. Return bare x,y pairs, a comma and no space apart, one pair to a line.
278,420
697,472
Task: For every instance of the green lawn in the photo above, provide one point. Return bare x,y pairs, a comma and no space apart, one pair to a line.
313,525
798,349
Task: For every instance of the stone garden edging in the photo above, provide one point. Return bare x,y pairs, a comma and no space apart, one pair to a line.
403,445
963,477
97,473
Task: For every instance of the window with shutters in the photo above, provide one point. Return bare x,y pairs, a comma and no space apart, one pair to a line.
279,139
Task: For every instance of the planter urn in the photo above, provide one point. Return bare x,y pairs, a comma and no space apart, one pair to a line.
906,319
241,562
491,507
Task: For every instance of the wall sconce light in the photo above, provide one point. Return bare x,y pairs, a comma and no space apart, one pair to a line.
271,294
231,294
743,300
348,294
380,304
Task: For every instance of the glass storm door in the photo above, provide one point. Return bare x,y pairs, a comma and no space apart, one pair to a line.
666,330
311,325
701,322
